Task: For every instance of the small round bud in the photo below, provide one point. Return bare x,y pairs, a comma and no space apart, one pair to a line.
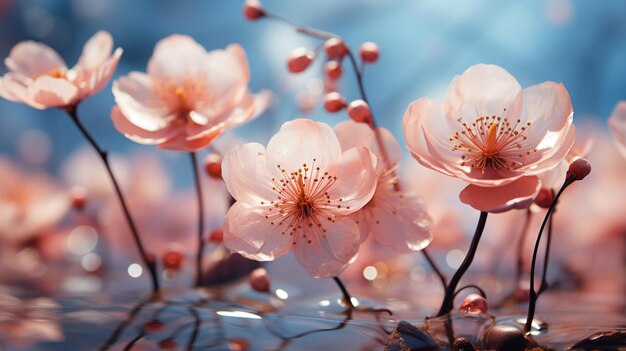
359,111
260,280
78,196
216,236
544,198
579,169
173,259
213,166
333,102
474,304
369,52
299,60
253,10
333,69
168,344
238,345
335,48
153,326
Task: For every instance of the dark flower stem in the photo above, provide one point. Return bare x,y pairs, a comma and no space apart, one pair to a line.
199,256
149,263
520,248
534,295
433,265
448,299
347,298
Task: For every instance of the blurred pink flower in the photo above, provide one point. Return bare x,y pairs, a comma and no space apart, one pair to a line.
390,207
298,193
514,135
617,124
188,97
30,204
39,77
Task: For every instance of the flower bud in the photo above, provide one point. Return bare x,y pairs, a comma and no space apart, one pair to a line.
579,169
333,102
78,196
253,10
213,166
369,52
359,111
238,345
335,48
299,60
474,304
153,326
216,236
544,198
333,69
168,344
173,259
260,280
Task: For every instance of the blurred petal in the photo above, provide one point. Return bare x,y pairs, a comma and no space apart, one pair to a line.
617,124
352,134
33,59
326,254
516,195
52,92
136,100
96,51
139,135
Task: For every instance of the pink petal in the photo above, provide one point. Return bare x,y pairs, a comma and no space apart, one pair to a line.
356,181
327,254
398,220
13,87
52,92
549,108
96,51
301,141
249,108
516,195
181,141
94,81
33,59
482,89
227,73
247,176
248,232
352,134
552,157
137,134
135,98
175,57
617,124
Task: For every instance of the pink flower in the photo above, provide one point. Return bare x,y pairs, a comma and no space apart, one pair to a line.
39,77
188,97
298,193
617,124
30,204
492,134
390,207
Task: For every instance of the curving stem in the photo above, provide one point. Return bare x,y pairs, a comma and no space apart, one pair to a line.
199,256
347,298
534,295
150,263
448,299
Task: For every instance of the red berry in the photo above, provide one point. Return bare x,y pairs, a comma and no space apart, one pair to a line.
335,48
216,236
299,60
579,169
369,52
359,111
253,10
78,196
333,69
168,344
238,345
333,102
154,326
213,166
260,280
544,198
173,259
